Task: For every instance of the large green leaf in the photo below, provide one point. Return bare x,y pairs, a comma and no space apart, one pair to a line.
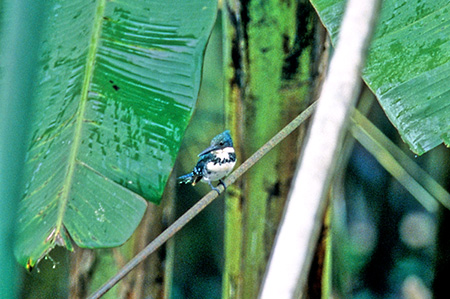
117,86
408,67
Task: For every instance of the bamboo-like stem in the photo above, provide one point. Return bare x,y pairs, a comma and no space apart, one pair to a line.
296,241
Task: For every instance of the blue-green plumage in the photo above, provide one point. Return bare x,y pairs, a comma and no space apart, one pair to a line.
215,162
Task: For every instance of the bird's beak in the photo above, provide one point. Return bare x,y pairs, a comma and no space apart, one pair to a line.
209,149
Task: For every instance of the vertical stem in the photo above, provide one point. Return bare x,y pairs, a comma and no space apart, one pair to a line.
234,90
266,83
297,238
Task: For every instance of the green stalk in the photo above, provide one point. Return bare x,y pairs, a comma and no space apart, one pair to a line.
261,94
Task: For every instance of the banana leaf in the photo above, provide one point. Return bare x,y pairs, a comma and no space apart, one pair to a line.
117,84
408,67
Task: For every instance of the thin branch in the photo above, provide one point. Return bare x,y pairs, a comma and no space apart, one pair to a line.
203,203
429,193
304,212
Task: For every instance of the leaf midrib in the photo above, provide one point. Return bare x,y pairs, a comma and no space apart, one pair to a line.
90,61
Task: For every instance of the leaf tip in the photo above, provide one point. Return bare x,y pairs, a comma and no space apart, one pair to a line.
30,265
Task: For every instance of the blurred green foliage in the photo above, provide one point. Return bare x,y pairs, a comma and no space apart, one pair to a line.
385,242
19,25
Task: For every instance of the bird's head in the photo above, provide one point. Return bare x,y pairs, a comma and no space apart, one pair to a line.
221,141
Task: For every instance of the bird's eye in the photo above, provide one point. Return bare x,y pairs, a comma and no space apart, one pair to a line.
221,143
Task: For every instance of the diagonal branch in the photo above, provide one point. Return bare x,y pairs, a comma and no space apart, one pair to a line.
204,202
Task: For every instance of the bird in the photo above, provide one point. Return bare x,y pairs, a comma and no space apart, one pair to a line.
214,163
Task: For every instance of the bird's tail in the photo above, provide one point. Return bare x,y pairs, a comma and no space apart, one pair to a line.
186,179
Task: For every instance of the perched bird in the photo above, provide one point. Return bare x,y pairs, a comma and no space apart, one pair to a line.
215,162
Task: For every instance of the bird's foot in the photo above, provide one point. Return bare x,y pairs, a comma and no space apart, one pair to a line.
223,184
214,188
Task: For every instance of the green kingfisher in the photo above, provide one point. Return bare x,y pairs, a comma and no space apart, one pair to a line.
214,163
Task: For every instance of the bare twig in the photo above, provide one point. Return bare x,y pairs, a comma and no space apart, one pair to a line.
203,203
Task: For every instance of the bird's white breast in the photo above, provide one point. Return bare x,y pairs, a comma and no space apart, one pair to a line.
216,171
